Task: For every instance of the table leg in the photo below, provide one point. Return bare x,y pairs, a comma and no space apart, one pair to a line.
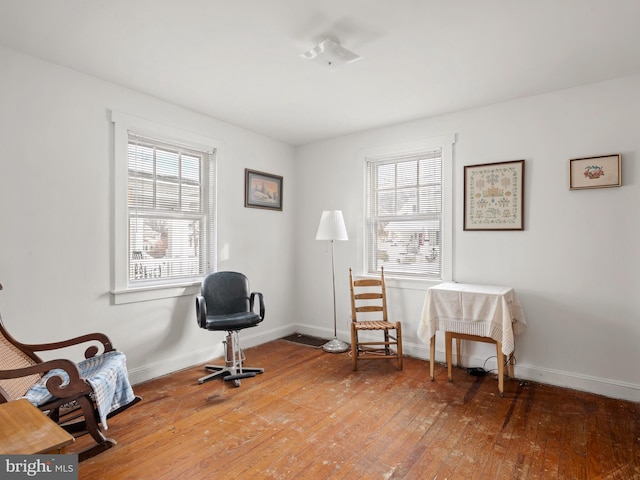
500,357
432,354
458,355
448,337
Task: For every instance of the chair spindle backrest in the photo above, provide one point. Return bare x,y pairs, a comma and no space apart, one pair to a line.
368,297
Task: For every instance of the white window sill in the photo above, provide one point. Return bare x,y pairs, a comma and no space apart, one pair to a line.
405,283
154,292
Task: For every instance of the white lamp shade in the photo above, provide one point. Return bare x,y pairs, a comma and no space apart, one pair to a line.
332,226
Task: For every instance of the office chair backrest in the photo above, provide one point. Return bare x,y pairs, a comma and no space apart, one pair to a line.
226,292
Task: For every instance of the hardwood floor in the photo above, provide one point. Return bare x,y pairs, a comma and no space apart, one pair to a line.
309,416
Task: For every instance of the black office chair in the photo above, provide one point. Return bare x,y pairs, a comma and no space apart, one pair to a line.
225,304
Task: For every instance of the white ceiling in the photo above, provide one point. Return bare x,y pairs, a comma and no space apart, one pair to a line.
239,60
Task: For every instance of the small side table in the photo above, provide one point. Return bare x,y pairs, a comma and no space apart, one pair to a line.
26,430
481,313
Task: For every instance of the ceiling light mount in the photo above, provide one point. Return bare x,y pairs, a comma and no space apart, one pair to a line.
331,54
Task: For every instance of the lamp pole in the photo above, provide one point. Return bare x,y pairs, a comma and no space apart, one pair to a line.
333,273
332,228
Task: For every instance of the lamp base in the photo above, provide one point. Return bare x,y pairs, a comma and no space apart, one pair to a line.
335,346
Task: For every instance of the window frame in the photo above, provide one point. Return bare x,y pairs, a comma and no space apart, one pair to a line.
386,153
122,291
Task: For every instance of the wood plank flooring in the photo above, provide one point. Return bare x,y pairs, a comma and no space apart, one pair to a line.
310,416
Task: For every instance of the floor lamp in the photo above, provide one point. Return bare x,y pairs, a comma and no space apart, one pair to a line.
332,228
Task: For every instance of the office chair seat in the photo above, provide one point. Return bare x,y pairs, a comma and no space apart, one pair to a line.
232,321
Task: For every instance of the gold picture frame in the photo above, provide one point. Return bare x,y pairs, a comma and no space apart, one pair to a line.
494,196
595,172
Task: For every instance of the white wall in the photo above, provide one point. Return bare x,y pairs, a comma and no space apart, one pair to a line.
575,267
56,246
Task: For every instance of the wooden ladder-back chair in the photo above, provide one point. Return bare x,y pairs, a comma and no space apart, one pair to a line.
368,314
71,400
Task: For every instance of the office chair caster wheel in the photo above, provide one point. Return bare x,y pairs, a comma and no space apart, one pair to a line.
236,383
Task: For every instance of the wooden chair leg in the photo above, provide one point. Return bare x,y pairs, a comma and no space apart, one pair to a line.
354,347
91,423
399,339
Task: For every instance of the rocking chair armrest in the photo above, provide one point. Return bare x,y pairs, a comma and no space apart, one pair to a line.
260,302
89,352
77,385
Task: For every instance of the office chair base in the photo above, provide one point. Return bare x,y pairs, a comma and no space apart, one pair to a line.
233,369
229,374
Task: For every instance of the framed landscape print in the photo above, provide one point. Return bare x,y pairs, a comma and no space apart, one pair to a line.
262,190
595,172
494,196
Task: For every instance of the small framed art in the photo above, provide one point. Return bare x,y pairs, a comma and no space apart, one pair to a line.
494,196
262,190
595,172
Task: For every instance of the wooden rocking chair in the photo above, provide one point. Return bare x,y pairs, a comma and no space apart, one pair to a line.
73,406
369,313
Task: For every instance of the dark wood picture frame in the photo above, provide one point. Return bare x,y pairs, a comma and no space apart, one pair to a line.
494,196
262,190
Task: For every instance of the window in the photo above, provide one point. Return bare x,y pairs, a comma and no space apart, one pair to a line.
408,212
165,210
168,204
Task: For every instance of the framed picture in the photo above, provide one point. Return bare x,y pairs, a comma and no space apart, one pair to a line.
262,190
595,172
494,196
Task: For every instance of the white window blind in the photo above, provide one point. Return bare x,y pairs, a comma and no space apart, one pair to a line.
404,214
170,200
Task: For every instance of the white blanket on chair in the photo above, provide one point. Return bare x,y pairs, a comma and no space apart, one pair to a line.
107,374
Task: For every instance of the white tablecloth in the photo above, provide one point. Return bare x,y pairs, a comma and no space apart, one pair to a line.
482,310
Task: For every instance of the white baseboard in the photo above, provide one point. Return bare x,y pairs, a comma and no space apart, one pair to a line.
600,386
586,383
249,338
173,364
